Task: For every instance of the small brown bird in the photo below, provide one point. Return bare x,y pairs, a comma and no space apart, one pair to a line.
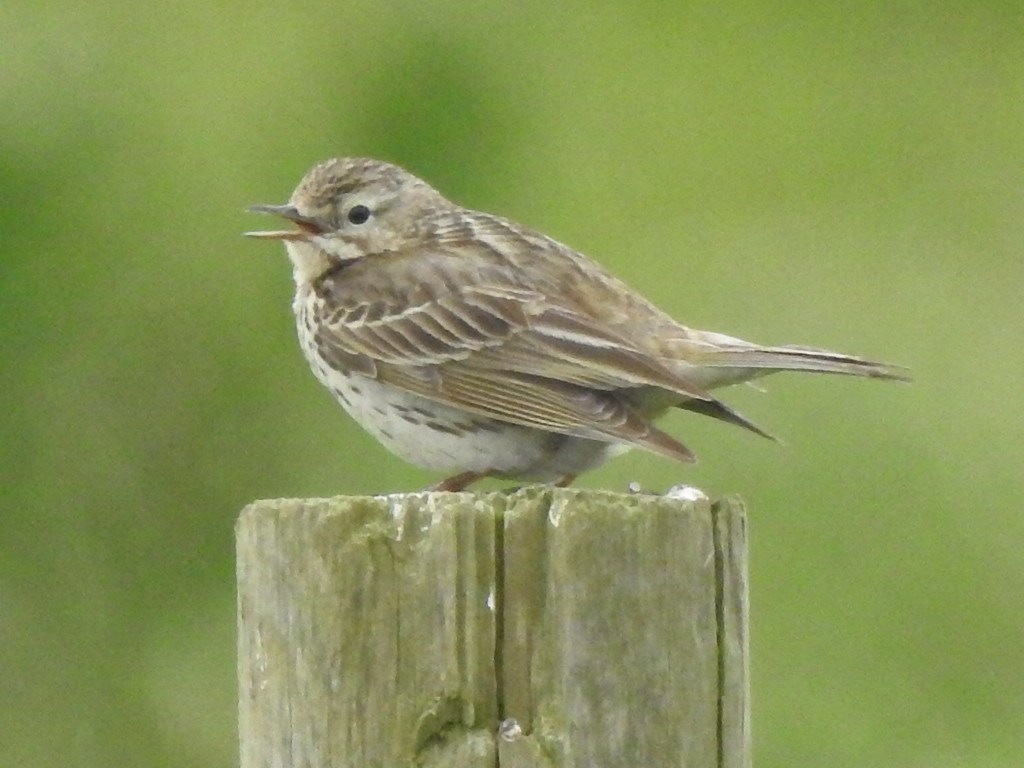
467,343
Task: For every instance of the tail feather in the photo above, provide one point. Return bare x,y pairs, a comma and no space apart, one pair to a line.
794,358
718,410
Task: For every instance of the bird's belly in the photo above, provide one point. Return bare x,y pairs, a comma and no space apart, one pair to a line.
442,438
429,434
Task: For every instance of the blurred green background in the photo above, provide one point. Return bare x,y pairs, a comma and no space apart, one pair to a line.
846,175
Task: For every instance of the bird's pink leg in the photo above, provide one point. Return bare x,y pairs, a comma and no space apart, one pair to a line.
457,482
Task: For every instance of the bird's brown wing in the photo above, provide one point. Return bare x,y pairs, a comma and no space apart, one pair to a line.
540,403
507,352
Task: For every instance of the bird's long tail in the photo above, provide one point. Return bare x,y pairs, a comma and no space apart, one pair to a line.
717,361
794,358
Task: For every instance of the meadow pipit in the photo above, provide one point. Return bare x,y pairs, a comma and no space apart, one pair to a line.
467,343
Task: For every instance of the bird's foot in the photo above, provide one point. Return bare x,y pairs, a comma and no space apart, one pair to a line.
457,482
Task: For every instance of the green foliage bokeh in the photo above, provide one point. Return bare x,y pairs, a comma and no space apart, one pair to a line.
847,176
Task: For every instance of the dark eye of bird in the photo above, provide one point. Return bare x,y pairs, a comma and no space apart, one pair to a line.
358,214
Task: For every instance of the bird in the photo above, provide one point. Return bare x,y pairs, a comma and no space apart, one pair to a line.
472,346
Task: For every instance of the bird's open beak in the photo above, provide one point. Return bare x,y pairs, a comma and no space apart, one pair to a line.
306,225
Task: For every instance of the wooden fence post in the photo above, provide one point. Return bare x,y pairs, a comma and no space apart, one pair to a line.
544,627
